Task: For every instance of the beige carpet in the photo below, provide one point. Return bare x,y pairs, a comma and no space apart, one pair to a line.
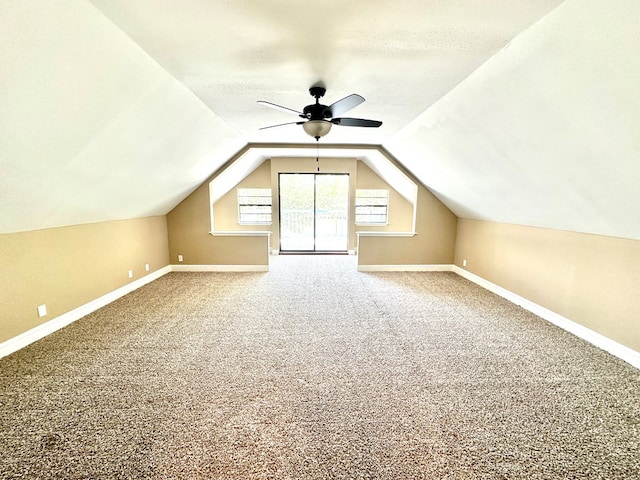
316,371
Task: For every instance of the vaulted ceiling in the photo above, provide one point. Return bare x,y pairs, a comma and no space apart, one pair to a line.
517,111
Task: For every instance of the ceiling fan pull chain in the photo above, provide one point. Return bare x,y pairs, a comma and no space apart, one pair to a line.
318,153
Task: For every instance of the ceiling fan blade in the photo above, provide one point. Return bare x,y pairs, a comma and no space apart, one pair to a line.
356,122
280,107
281,125
344,105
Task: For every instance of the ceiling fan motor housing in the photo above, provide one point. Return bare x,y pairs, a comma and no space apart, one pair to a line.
316,111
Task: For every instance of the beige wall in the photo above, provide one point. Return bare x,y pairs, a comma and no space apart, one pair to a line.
434,242
592,280
225,210
189,224
400,210
67,267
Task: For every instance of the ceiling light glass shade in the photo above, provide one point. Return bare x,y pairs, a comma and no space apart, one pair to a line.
317,128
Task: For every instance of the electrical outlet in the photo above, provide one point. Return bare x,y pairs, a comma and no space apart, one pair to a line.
146,267
130,273
42,310
180,258
464,262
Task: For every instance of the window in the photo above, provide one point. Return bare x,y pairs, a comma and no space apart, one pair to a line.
372,207
254,205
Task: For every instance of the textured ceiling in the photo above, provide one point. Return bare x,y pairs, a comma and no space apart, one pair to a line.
401,60
517,111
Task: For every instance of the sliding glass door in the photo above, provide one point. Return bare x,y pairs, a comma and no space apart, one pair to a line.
314,212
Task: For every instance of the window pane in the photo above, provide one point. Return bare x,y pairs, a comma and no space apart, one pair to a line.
371,206
254,205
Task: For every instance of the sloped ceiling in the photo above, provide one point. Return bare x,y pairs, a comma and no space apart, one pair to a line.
516,111
91,128
545,133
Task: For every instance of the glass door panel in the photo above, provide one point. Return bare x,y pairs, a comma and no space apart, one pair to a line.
332,208
297,212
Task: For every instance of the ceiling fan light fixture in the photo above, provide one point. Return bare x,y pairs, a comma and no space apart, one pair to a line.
317,128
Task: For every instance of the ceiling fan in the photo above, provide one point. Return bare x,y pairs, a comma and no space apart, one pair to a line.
318,118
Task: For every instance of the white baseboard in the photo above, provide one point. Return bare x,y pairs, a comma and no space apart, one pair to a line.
614,348
219,268
26,338
405,268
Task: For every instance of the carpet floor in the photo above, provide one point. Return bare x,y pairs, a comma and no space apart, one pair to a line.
315,371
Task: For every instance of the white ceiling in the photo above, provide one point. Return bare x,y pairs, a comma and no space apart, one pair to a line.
545,133
402,60
521,111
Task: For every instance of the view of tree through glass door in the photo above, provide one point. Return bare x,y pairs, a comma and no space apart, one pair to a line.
314,212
